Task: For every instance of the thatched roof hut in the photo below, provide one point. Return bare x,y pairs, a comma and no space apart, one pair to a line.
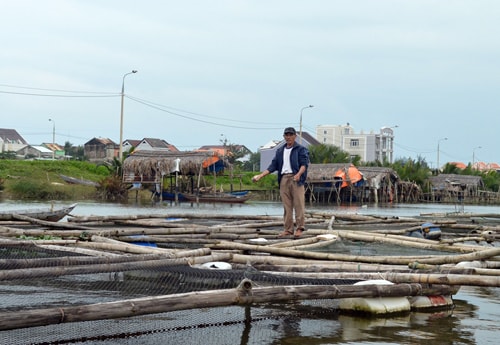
454,188
334,177
456,182
317,173
375,175
150,166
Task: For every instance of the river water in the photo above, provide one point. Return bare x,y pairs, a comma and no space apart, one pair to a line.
475,318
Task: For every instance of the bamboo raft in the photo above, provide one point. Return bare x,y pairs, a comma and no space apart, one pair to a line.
335,251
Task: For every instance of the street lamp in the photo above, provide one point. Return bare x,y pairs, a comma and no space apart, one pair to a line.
474,155
438,152
120,154
300,129
53,139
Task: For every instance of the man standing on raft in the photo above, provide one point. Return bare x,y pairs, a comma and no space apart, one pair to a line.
291,162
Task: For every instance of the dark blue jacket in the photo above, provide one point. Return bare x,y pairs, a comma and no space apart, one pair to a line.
298,157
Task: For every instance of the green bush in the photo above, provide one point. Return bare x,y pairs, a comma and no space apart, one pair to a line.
40,180
25,189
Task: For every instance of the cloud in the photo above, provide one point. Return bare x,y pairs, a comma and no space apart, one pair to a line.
426,66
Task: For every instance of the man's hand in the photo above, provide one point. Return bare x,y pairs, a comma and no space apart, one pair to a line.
256,178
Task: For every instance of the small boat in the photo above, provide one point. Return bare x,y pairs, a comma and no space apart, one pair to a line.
74,180
237,196
217,197
239,192
171,196
49,214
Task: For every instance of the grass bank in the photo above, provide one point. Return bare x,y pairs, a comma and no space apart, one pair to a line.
40,180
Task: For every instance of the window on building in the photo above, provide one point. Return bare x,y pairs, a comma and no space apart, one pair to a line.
354,143
325,132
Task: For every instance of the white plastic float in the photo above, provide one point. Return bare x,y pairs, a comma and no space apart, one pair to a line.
376,305
471,264
216,265
258,240
327,237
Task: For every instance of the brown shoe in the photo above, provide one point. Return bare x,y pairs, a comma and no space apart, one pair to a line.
285,233
299,232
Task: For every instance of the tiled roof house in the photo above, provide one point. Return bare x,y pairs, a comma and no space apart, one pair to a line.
100,149
152,144
10,140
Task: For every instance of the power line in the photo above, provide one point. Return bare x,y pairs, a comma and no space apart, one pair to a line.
57,90
160,108
55,95
175,110
414,150
163,108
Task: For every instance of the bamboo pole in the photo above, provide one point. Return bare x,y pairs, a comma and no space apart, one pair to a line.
406,241
154,223
129,248
315,245
186,216
42,233
312,255
47,223
52,242
301,266
404,277
182,239
73,260
186,229
472,227
109,232
137,249
305,243
295,242
7,229
461,215
449,259
192,253
245,294
37,272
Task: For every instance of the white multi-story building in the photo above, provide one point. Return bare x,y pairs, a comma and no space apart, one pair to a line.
370,147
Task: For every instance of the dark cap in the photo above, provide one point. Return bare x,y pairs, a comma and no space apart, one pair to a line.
289,130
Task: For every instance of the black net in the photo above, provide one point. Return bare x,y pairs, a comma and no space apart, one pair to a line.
34,278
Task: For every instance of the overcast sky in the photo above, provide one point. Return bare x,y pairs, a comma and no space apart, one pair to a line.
243,70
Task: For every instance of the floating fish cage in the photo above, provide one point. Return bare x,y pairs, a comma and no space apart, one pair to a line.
215,280
42,284
52,297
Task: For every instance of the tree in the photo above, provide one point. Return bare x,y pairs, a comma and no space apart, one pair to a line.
8,155
75,152
409,170
253,164
233,152
491,180
324,153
